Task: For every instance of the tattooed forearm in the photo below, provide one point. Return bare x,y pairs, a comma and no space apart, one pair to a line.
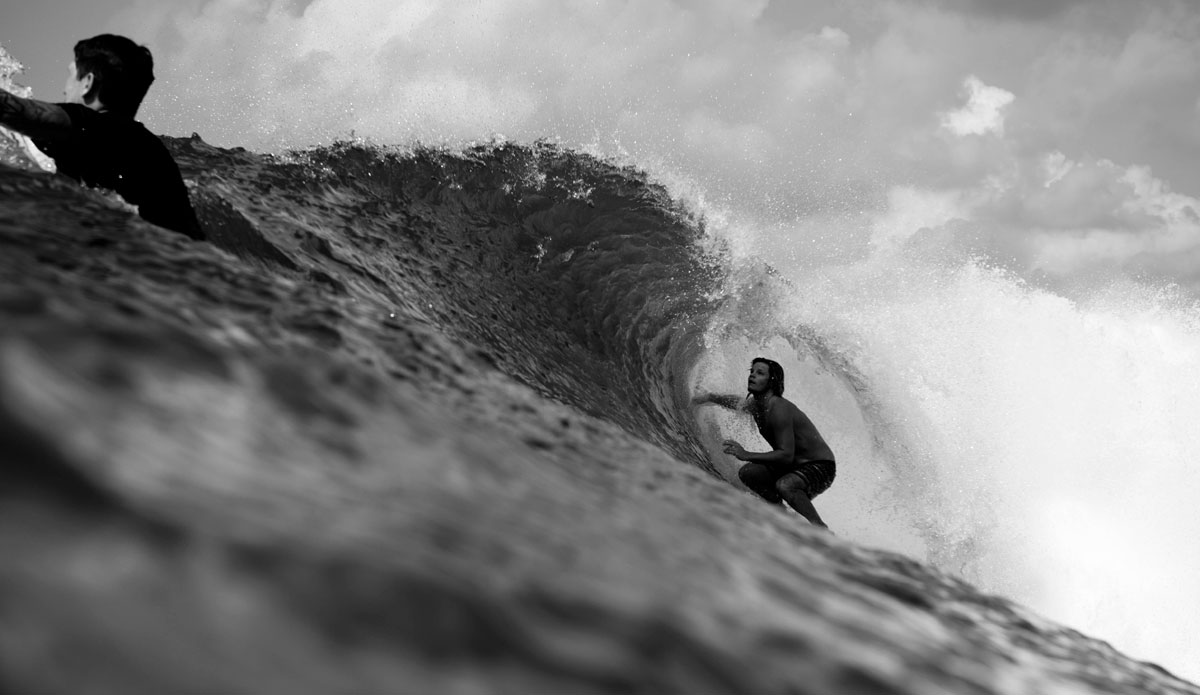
37,119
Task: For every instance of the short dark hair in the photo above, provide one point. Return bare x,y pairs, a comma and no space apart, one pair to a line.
122,71
774,374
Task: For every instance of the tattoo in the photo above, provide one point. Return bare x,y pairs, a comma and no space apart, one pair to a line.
37,119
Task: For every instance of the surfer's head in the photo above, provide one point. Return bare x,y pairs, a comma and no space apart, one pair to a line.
773,376
112,71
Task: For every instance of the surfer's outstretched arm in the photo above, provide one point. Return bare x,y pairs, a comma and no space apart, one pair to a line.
37,119
731,402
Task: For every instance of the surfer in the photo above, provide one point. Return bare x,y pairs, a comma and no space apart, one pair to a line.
800,465
93,137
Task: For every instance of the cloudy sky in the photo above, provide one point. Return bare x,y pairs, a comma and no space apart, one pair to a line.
1058,137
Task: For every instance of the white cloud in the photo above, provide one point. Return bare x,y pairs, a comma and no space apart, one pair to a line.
1055,165
983,112
911,210
1098,214
1056,216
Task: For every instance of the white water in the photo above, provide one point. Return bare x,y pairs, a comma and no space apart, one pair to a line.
1044,448
10,68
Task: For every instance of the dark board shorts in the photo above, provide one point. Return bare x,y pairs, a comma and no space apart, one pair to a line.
815,476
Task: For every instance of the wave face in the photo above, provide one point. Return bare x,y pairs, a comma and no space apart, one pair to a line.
432,403
1039,446
583,282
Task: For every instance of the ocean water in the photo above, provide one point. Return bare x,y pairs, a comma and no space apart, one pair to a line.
1040,443
1040,446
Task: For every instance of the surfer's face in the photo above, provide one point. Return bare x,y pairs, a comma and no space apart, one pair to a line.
76,88
760,378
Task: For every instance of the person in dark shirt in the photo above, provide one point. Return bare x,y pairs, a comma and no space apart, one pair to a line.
93,137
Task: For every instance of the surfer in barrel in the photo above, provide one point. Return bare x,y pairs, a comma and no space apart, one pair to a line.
800,465
93,137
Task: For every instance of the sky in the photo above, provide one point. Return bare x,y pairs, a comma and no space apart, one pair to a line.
1058,138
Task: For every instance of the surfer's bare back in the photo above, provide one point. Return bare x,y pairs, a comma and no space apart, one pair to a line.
800,465
93,137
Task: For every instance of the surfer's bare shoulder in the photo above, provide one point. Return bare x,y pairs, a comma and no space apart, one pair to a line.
37,119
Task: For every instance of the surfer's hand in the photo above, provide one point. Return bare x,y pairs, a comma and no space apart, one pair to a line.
734,449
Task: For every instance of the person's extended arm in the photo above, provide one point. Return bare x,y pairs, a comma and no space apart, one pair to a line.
37,119
731,402
780,422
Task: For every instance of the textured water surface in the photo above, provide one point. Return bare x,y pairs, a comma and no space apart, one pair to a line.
414,422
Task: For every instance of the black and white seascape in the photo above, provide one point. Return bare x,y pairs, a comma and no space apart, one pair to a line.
416,418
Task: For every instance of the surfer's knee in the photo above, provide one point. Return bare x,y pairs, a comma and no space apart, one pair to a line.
758,478
755,476
790,485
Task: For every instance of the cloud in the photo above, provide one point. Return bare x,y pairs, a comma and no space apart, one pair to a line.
1122,92
1150,231
983,113
1057,218
1026,10
1097,215
912,211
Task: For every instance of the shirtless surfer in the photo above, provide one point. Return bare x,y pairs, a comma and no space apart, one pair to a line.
800,465
93,137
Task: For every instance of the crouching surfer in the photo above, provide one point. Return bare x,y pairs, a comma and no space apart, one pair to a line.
93,137
800,465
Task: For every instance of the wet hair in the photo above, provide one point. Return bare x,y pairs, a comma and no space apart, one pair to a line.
122,71
774,374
